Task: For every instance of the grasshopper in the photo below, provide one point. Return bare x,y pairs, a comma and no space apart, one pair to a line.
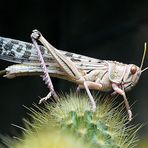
88,73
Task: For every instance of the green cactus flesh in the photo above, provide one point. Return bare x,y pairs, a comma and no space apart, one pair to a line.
72,115
105,128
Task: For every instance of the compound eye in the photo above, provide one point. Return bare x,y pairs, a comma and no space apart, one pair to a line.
133,69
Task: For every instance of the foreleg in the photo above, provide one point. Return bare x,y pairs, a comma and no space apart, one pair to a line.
121,92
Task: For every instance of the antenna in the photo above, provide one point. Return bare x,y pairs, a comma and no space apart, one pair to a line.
144,53
144,69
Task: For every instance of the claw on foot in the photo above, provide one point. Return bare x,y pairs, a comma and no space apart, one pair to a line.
93,107
50,94
45,98
129,115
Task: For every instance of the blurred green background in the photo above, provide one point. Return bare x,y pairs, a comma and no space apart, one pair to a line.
104,29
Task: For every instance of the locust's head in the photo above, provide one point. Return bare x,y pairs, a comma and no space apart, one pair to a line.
133,74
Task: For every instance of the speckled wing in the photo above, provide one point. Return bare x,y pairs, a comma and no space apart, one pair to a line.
25,53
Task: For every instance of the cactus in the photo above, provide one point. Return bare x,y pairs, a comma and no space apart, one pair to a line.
107,127
72,121
45,139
